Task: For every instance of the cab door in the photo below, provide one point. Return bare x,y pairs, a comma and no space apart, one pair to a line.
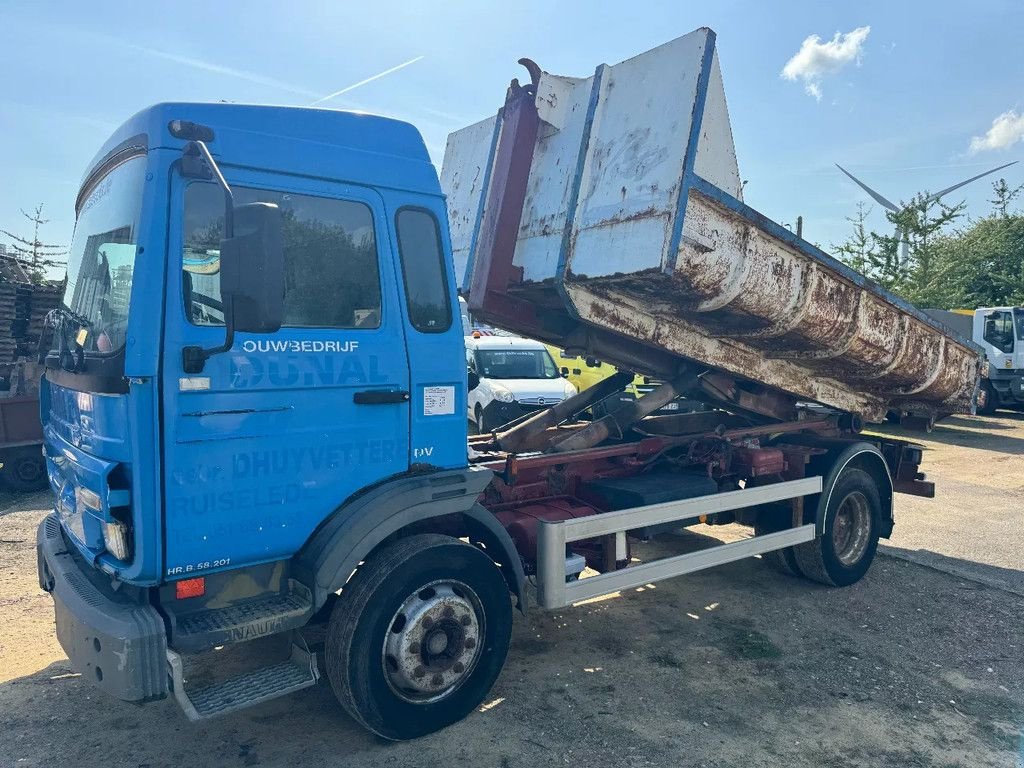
275,434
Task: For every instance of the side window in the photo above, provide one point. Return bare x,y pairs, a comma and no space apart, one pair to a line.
332,276
999,330
426,288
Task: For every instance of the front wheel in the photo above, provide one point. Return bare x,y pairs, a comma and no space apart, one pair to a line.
25,471
989,400
853,519
418,636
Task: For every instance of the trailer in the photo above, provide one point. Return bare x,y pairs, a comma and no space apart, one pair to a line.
261,426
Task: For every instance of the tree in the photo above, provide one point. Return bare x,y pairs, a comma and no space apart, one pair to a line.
860,251
982,265
921,222
33,254
979,265
909,269
1004,197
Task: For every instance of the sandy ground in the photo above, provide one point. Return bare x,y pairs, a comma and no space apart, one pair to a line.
921,664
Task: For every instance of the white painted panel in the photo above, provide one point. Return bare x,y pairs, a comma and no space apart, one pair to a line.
716,153
462,177
635,158
551,175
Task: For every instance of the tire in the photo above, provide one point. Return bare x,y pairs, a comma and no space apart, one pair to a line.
25,471
991,400
841,556
379,624
481,421
772,518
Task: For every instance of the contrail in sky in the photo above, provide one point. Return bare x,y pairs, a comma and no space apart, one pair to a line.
361,83
209,66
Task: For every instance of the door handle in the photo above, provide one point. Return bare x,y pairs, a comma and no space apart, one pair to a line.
379,397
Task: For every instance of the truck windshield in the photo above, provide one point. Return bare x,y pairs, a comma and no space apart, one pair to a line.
102,256
515,364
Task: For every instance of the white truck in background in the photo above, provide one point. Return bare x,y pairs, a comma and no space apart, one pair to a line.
999,331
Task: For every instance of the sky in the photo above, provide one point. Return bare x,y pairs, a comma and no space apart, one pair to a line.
908,96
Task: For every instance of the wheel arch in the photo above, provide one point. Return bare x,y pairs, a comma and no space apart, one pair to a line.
868,458
437,502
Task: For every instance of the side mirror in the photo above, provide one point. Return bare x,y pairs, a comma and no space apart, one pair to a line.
252,269
564,371
472,379
251,261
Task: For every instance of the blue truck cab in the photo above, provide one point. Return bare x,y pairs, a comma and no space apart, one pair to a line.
220,481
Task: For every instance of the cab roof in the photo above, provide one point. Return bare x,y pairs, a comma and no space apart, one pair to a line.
348,146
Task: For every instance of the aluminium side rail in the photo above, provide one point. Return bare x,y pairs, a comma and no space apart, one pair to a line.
554,592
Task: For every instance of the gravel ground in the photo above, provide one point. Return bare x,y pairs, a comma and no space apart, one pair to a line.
920,664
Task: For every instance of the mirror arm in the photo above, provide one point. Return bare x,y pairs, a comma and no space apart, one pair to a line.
229,198
193,358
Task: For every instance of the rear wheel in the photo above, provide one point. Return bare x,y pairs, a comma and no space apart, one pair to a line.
25,470
418,637
772,518
845,550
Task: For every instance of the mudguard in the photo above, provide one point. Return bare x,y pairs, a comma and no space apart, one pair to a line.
843,453
334,551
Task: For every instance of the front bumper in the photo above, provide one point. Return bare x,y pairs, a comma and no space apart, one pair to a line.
113,638
497,413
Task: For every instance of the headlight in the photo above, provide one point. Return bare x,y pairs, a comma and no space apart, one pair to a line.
568,390
503,396
87,499
984,370
115,539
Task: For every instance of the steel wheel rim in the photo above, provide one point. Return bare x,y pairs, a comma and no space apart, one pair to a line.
433,642
851,529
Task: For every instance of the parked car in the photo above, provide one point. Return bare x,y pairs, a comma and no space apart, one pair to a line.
585,372
517,376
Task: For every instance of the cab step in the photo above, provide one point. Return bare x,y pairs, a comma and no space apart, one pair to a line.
279,679
269,615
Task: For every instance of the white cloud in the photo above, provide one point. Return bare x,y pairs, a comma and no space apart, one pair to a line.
816,59
1006,130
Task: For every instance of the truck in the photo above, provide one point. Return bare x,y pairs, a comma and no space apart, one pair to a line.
262,432
24,306
999,333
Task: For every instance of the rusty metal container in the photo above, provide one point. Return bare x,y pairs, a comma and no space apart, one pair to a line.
606,214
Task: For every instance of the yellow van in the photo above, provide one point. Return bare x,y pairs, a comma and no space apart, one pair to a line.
584,372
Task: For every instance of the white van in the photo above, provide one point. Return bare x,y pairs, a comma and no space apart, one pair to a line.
517,376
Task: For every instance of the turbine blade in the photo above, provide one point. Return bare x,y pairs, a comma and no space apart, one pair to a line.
937,195
875,196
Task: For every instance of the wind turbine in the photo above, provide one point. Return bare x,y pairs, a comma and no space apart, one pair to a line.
901,234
